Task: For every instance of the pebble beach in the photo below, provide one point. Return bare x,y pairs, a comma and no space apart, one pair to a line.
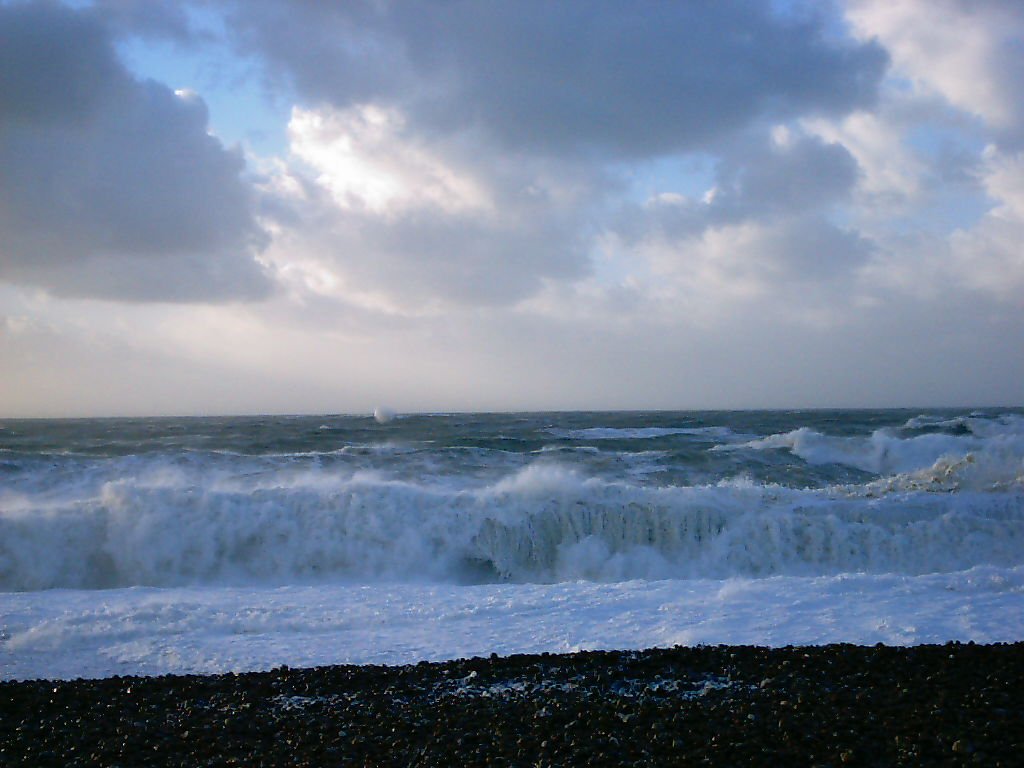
953,704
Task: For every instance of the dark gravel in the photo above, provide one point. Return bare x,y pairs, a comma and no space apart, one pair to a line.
830,705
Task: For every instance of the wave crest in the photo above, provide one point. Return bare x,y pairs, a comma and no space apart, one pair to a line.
541,524
994,448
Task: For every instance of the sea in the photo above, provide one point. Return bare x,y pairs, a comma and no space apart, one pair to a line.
204,545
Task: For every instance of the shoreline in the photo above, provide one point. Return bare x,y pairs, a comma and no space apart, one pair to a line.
953,704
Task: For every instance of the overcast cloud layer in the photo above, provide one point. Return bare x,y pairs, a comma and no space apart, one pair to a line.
510,205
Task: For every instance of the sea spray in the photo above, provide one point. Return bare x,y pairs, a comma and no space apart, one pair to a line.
208,544
540,524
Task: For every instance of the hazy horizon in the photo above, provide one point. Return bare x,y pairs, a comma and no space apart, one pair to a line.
916,409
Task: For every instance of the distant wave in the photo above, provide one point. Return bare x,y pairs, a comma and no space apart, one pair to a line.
540,524
994,445
638,433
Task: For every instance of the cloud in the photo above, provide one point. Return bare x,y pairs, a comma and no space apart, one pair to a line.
763,227
381,215
943,209
465,154
989,256
567,77
791,172
112,187
371,213
891,174
158,19
512,205
54,65
363,158
795,262
967,51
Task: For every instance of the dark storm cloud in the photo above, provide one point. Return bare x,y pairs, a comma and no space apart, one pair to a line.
54,65
631,78
111,187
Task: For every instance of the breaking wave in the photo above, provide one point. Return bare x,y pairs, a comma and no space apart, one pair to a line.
998,444
540,524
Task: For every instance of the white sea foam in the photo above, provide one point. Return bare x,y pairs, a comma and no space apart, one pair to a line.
992,442
927,421
244,544
69,633
975,423
541,524
984,471
383,414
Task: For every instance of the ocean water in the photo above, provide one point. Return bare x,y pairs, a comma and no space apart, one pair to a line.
145,546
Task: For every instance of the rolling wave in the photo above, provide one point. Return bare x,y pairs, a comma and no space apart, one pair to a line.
640,433
889,451
541,524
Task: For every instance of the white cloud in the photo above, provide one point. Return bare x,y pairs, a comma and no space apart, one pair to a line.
361,155
418,261
1004,182
765,230
966,50
990,256
925,186
891,174
722,267
373,214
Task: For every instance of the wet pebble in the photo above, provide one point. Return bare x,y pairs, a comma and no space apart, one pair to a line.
835,705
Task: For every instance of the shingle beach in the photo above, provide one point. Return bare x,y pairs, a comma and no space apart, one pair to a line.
835,705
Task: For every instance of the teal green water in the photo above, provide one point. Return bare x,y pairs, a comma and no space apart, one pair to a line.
651,448
514,496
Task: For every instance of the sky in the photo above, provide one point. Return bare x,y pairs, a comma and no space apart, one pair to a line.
288,206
